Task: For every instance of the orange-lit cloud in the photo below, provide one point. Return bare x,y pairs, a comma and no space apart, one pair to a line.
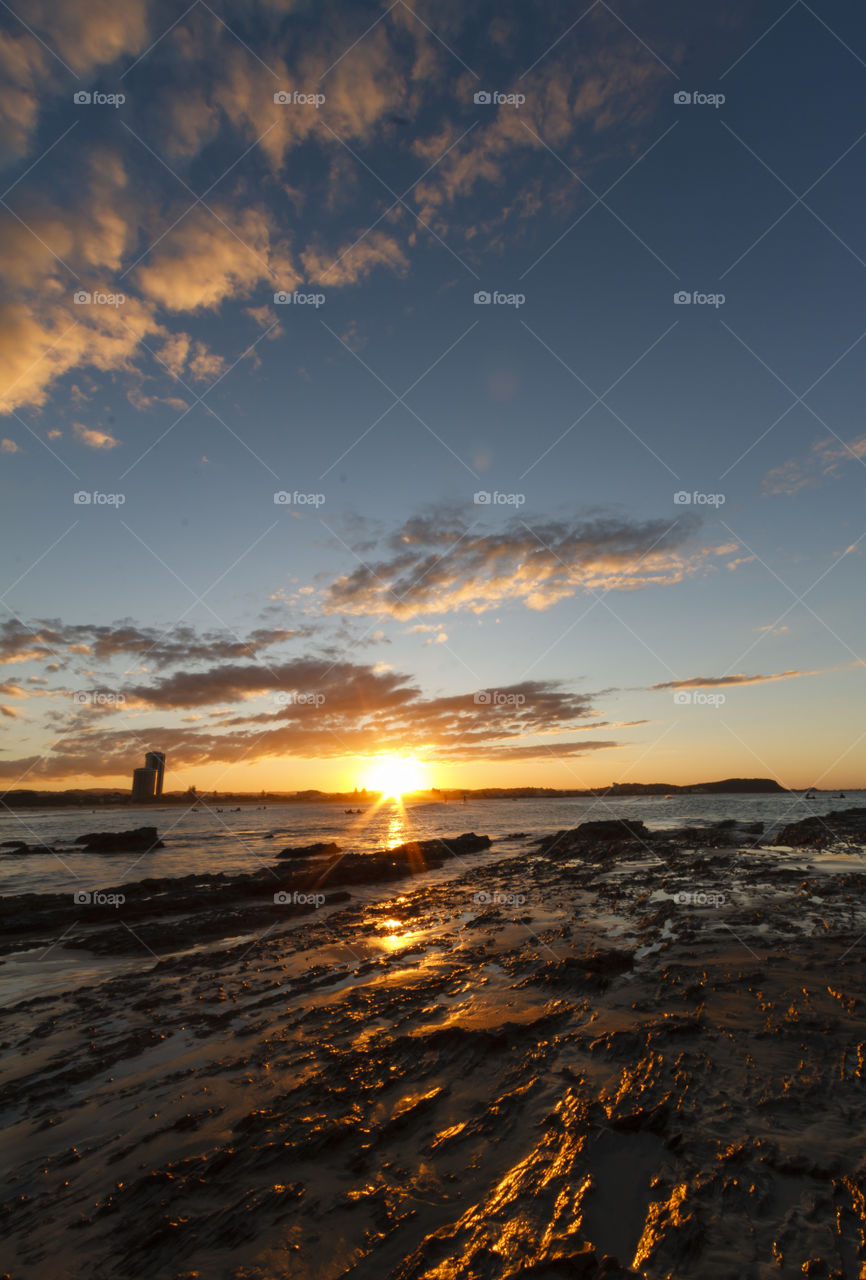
93,437
826,459
438,563
712,682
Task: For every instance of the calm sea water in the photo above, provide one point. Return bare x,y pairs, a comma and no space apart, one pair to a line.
204,840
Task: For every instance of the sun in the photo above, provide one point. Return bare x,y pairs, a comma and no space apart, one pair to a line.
395,775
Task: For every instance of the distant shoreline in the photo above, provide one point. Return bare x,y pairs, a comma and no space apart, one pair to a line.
113,799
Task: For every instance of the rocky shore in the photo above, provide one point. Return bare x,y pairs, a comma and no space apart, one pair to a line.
616,1053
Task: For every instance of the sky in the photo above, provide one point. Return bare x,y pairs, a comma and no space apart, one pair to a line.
475,383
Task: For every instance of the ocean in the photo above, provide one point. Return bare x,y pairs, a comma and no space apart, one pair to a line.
221,839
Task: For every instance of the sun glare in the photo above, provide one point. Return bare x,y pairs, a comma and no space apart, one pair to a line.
394,776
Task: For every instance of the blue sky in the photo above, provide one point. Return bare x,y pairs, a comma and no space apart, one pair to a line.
620,632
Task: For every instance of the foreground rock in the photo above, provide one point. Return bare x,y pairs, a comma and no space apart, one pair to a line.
607,1070
179,911
139,840
848,825
310,850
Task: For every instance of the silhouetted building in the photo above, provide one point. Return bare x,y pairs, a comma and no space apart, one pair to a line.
144,784
147,782
156,760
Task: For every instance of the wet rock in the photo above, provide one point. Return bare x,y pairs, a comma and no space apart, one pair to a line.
320,849
20,848
139,840
613,829
847,825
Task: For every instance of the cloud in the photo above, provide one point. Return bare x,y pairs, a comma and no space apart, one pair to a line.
94,438
713,682
310,707
182,355
91,33
207,258
8,446
20,642
439,563
22,71
574,99
826,459
85,33
351,263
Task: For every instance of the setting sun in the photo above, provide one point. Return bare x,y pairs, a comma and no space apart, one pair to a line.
395,775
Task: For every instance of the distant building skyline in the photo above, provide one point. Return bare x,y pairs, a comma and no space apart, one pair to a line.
147,781
156,760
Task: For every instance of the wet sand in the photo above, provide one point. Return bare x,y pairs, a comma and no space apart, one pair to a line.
633,1058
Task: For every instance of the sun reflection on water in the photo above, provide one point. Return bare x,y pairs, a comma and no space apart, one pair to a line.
396,827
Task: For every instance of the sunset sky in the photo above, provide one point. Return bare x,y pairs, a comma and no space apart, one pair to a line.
280,568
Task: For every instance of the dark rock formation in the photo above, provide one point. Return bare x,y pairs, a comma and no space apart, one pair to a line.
830,828
140,840
310,850
186,908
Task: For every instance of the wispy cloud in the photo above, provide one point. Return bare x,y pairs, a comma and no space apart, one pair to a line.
440,563
713,682
825,460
